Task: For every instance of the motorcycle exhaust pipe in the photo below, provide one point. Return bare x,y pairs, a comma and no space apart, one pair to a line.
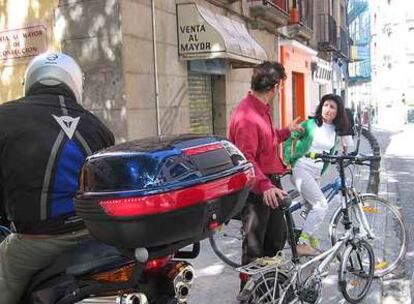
179,276
132,298
182,291
188,275
179,271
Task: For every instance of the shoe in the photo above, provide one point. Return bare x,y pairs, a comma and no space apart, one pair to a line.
306,250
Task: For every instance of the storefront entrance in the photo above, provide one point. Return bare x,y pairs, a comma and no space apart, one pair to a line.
201,105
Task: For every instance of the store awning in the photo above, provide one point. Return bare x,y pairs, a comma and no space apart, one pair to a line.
203,34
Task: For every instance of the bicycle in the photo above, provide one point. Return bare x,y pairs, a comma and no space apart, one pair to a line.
286,281
379,221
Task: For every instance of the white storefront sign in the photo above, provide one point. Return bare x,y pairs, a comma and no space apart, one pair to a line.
203,34
321,71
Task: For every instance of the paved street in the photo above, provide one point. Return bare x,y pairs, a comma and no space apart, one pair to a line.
217,283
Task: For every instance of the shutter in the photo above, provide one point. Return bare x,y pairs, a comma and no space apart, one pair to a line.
201,113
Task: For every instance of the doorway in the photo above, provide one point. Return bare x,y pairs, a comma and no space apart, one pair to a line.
298,95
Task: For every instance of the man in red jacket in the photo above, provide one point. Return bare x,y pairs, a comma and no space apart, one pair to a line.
251,130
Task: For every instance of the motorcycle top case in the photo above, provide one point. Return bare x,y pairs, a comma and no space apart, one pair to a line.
162,191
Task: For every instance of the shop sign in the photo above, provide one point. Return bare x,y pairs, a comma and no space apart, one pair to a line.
321,71
195,35
203,34
24,42
194,38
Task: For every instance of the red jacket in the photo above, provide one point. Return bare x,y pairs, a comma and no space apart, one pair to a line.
251,130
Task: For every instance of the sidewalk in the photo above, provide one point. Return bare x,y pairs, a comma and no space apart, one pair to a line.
397,181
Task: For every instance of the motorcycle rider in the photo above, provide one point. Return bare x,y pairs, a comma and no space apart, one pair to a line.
44,140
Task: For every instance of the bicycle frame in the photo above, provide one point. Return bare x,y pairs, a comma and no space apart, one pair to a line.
327,256
326,259
330,191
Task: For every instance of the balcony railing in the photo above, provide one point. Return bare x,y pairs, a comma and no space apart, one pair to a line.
344,42
278,4
327,33
281,4
356,8
361,72
272,12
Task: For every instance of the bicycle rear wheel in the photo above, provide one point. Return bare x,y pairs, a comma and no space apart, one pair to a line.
388,225
269,287
356,271
227,242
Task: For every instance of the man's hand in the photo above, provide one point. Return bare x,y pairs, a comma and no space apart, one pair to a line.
271,196
294,126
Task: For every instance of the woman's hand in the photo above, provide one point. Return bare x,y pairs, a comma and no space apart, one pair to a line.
271,196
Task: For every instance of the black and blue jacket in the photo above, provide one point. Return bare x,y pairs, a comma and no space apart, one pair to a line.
44,140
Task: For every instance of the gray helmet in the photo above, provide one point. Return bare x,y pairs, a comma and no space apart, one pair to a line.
51,69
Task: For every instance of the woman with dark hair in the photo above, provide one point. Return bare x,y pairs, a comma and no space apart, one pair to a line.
320,135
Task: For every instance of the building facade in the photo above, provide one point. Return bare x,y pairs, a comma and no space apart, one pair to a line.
318,41
139,77
392,51
360,71
155,67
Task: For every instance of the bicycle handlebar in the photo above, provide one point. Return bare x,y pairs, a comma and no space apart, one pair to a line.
357,159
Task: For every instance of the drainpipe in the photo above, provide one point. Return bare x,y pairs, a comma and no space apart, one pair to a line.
156,82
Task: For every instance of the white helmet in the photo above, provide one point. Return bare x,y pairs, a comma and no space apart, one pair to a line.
52,69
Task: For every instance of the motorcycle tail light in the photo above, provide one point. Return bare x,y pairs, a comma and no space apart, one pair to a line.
202,149
156,264
170,201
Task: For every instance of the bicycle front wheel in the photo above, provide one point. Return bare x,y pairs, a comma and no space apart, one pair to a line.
356,272
227,242
389,237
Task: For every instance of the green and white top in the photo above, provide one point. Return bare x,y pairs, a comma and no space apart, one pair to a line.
312,139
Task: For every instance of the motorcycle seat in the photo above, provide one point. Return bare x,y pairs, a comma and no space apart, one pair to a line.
90,256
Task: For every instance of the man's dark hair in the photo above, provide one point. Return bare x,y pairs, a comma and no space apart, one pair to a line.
266,75
341,120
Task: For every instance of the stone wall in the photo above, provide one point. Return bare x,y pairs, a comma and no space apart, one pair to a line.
90,31
139,69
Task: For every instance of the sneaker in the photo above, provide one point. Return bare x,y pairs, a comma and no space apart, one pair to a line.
306,250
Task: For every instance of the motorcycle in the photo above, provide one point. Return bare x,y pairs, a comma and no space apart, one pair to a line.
97,273
145,203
